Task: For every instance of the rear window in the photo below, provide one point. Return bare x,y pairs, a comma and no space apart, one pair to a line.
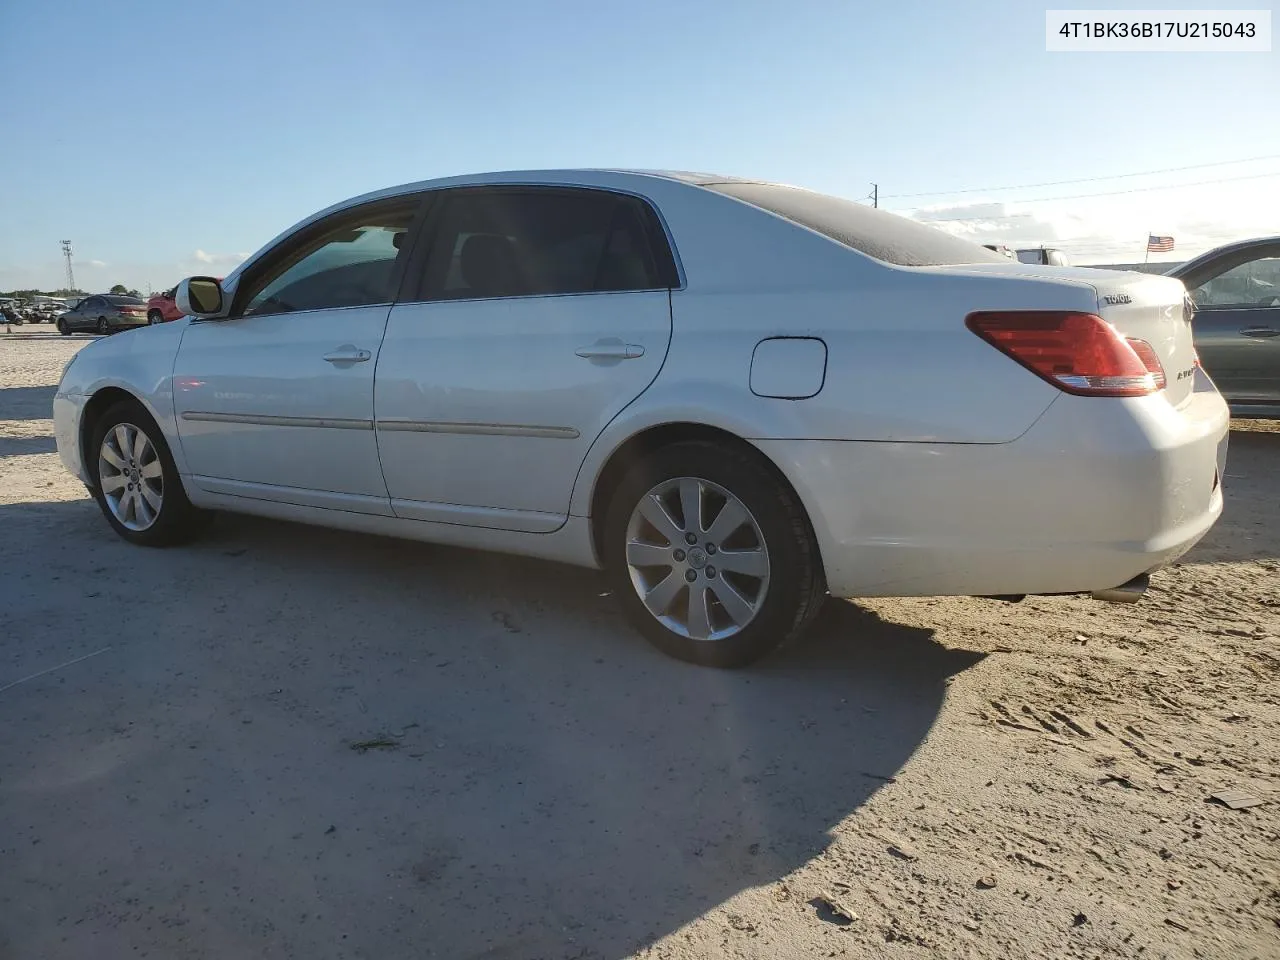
121,301
876,233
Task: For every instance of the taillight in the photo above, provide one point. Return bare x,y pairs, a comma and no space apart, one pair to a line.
1147,354
1079,353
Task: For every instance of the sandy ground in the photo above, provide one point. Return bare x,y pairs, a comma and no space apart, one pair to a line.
289,742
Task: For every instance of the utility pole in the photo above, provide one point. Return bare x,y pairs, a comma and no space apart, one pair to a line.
875,195
71,277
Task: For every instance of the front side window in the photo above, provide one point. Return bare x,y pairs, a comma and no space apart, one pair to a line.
539,242
346,261
1255,283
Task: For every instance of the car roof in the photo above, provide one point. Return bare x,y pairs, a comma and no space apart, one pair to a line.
603,177
1227,248
618,178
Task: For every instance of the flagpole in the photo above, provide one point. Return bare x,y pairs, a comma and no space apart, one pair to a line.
1147,255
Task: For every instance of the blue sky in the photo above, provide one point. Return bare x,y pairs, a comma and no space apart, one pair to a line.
167,138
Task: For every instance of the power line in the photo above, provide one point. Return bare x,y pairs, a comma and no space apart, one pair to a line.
1111,193
1059,183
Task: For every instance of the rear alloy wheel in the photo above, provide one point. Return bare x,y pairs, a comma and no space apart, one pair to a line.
711,555
154,317
63,328
103,327
136,482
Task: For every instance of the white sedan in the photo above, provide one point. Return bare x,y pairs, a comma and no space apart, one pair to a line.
733,396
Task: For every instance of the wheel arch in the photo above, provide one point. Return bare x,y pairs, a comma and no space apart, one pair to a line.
643,442
98,404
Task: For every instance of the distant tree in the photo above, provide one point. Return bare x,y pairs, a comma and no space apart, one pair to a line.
135,293
119,289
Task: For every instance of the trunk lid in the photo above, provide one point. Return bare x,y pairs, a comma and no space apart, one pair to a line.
1154,309
1141,306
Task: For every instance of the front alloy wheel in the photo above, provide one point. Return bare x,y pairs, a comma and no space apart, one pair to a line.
131,477
135,480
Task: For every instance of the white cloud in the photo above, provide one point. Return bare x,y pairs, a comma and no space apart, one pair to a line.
223,259
96,263
1113,228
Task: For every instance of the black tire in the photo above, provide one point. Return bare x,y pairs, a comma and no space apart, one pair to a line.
63,328
796,585
103,327
178,520
154,317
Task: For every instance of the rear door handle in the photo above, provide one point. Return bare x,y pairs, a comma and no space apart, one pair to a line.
1259,332
611,348
348,354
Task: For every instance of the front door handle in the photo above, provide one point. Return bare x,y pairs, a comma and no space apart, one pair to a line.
611,348
348,354
1260,333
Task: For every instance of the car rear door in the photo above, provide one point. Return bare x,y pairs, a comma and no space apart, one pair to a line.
536,316
276,402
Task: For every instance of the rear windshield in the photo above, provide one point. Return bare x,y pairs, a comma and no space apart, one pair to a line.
876,233
121,301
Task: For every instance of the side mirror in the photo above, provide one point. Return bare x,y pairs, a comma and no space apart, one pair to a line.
200,297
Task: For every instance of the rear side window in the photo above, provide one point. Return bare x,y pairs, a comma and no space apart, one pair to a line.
884,236
529,242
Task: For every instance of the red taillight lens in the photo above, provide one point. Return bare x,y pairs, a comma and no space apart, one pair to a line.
1147,354
1077,352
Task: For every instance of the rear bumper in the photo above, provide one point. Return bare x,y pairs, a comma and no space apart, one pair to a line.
1097,492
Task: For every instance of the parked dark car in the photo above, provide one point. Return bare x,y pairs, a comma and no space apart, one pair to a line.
104,313
1236,291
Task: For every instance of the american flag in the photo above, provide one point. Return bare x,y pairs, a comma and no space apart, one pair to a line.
1159,244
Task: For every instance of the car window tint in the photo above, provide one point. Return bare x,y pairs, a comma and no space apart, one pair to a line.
348,263
876,233
532,243
1252,284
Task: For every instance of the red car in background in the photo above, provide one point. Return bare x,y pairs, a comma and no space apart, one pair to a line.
162,308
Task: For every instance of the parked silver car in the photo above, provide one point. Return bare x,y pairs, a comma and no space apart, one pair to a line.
104,313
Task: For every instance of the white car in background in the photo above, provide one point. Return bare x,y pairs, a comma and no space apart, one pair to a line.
733,396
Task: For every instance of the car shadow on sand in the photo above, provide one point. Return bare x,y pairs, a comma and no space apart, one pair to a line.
324,744
27,403
1247,529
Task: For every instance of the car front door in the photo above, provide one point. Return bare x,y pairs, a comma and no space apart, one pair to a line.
276,401
1237,326
540,313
